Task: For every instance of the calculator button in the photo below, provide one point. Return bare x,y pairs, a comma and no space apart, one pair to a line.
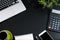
55,28
58,26
49,27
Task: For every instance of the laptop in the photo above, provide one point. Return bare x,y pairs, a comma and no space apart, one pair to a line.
10,8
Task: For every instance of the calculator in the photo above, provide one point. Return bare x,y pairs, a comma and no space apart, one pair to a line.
54,21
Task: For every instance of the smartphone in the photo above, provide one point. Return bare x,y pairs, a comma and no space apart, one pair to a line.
45,36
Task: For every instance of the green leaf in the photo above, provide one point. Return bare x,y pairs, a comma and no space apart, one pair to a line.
49,3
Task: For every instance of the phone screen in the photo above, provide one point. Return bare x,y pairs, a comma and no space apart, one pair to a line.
46,36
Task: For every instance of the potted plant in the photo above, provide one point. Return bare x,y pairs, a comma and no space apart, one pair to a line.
49,3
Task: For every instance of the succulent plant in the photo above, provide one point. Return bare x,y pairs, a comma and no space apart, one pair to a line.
49,3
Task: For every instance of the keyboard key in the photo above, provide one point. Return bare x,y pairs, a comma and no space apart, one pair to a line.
6,3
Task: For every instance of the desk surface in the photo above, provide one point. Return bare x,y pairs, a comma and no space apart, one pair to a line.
33,20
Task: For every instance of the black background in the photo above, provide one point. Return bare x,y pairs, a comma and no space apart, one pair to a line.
33,20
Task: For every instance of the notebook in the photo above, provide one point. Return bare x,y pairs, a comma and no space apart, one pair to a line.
24,37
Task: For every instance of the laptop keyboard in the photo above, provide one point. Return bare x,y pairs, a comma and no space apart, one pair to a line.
6,3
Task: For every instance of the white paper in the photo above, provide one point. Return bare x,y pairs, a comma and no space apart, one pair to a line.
24,37
12,11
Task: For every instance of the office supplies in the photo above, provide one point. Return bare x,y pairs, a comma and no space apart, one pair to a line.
12,10
54,21
24,37
6,35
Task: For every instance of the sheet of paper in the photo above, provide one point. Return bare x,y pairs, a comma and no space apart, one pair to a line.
24,37
12,11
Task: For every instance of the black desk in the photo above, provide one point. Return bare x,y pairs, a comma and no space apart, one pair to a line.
33,20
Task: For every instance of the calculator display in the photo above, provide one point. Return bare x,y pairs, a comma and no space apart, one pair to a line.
54,22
